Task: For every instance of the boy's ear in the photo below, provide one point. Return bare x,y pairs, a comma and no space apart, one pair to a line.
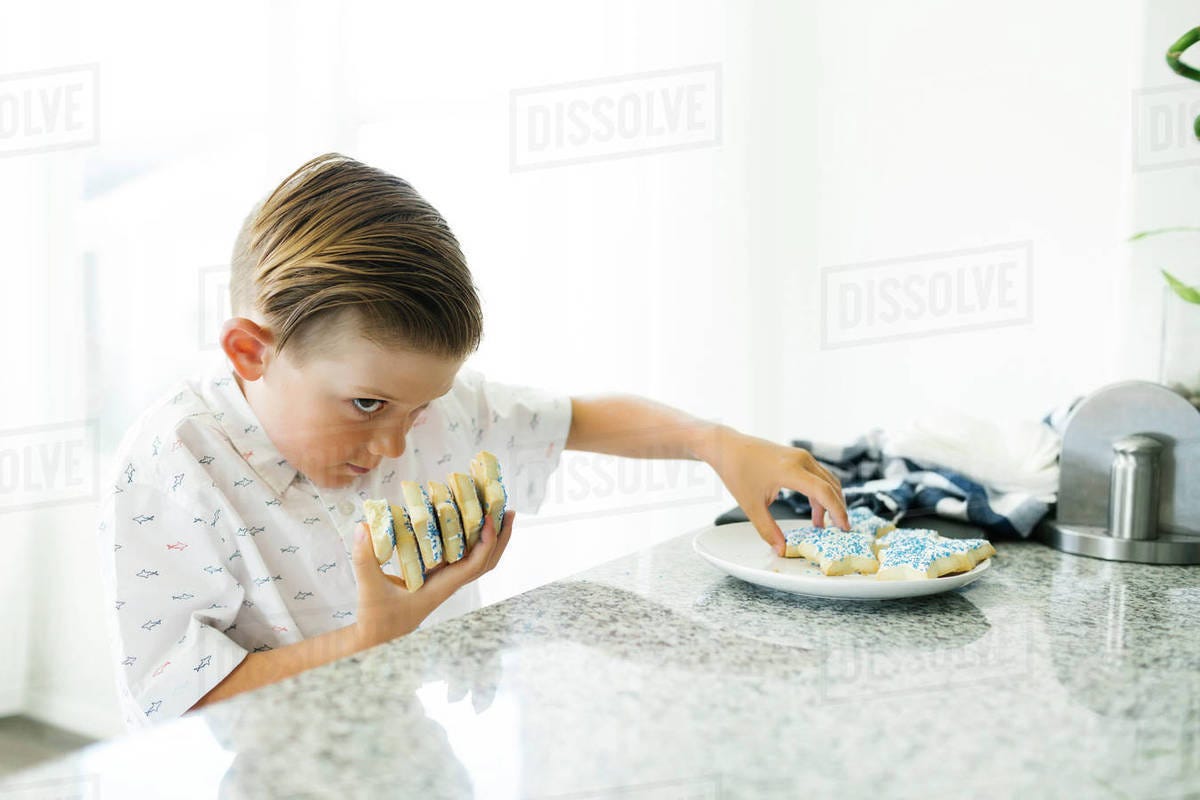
247,345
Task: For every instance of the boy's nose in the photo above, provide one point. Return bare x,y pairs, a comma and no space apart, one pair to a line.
388,442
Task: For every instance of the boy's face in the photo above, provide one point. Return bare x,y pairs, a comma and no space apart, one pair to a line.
348,408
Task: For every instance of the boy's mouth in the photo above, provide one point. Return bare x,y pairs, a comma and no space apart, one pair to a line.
357,470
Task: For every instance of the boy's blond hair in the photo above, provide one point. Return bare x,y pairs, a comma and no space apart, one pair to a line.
340,247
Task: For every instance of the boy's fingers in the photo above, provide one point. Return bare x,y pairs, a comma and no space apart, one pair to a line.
464,570
502,540
438,587
487,552
487,545
806,468
824,496
829,477
834,502
838,494
444,581
448,578
767,528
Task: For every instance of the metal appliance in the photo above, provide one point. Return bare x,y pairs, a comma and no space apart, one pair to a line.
1129,478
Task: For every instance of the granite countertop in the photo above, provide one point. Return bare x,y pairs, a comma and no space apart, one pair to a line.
656,676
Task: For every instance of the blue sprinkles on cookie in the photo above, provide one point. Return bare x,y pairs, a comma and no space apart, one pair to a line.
892,538
915,551
431,529
504,496
408,526
831,545
864,520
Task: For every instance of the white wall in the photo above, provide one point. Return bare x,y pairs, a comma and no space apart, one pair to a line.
22,290
944,126
52,666
1165,185
850,132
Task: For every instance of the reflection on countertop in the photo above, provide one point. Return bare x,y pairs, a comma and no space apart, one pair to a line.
657,676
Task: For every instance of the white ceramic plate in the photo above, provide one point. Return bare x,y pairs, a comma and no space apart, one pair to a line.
738,550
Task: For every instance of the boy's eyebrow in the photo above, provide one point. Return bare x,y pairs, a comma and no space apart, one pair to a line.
369,392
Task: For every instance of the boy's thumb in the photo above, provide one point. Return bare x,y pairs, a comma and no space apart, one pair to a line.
363,554
767,528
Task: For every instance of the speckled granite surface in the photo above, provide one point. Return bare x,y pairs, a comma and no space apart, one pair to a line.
656,676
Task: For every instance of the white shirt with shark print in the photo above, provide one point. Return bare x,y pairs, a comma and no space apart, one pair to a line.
213,546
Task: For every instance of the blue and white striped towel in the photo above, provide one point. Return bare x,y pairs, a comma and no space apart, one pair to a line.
899,488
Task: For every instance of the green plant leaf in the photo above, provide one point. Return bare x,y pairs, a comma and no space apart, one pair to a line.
1157,231
1175,51
1189,293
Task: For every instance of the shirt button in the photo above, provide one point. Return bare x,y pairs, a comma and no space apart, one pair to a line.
346,508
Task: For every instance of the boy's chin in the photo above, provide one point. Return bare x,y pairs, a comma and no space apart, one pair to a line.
333,478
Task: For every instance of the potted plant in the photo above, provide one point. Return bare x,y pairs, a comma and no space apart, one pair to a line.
1179,365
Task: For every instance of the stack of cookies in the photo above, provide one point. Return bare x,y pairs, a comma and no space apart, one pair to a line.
874,546
438,522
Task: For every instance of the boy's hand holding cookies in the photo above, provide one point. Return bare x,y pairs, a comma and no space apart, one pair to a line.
439,535
386,606
754,470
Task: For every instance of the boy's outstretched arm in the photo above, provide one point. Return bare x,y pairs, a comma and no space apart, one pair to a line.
753,469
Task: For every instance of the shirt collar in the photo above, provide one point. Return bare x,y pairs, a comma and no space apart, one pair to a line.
243,428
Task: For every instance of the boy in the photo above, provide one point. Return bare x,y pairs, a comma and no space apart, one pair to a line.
232,542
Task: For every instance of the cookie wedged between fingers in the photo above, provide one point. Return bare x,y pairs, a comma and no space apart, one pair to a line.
390,529
381,527
449,522
412,570
423,517
833,550
462,487
485,471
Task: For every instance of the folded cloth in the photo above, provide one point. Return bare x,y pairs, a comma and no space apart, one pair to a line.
1012,457
1002,479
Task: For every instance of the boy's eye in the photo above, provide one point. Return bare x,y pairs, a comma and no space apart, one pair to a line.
364,401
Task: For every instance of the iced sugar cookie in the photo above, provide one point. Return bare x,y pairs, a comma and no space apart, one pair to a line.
449,522
485,471
833,550
391,522
976,549
462,486
917,557
896,534
412,570
383,532
424,519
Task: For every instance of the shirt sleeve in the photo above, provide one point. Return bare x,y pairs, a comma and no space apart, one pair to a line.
526,428
170,596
